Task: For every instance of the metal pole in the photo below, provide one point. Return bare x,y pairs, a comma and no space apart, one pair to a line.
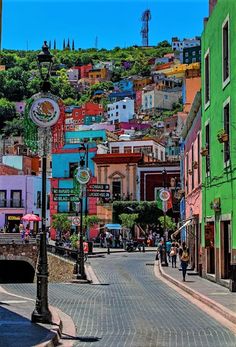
81,274
164,259
86,198
41,313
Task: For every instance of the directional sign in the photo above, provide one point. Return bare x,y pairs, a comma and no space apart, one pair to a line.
63,190
66,198
99,186
94,194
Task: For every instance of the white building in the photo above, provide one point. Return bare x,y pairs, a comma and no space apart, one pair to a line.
120,111
178,45
73,75
160,99
150,147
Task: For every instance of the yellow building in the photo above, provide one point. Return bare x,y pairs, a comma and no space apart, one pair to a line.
141,82
98,74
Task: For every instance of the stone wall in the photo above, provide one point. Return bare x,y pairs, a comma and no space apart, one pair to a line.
24,252
60,270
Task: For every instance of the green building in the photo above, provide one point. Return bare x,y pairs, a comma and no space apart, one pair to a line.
218,238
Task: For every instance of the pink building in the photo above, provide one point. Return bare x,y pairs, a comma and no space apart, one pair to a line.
192,180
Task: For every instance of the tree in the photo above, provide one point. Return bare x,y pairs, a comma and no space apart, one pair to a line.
7,111
167,223
14,127
61,223
128,220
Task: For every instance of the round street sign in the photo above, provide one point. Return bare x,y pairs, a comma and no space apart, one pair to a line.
82,175
44,110
164,194
75,221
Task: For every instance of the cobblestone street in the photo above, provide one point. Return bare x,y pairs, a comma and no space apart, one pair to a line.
131,307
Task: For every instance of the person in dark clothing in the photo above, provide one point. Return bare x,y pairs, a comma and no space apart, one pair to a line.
184,260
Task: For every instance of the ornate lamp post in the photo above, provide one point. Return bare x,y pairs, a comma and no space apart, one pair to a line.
164,258
82,176
44,112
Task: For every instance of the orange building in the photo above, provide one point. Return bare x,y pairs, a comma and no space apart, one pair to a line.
192,86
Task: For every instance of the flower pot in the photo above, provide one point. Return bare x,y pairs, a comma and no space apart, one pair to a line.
204,152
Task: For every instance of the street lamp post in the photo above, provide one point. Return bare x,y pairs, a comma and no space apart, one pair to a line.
83,180
41,312
164,258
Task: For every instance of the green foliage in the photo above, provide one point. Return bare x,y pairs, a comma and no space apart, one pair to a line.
90,220
61,222
7,111
148,212
74,238
167,223
14,127
128,220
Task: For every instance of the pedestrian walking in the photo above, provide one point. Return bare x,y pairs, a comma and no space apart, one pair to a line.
168,247
173,254
184,260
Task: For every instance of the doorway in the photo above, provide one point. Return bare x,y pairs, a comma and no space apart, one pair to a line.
116,189
225,249
210,245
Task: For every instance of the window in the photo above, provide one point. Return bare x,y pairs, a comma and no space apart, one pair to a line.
72,167
116,189
16,198
226,129
186,174
124,106
225,53
194,60
127,149
208,147
186,60
207,79
186,54
198,158
3,198
117,106
38,202
117,114
193,53
115,150
192,167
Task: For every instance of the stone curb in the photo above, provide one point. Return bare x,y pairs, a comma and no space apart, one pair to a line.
226,313
53,337
91,277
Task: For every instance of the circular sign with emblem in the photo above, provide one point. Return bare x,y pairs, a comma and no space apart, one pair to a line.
82,175
164,194
44,110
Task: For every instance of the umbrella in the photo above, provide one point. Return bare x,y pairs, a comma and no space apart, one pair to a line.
30,217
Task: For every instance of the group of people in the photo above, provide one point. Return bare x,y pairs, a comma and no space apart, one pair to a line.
173,249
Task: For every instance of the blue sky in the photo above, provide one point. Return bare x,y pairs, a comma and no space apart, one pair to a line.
27,23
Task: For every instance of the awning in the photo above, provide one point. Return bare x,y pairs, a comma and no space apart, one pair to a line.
178,230
113,226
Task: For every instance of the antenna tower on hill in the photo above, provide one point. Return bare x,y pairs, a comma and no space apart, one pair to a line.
146,17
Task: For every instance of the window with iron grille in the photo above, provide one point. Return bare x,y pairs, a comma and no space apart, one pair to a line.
225,36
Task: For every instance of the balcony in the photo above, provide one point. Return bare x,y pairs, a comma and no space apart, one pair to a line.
12,203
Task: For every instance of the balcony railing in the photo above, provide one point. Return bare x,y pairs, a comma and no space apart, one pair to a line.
12,203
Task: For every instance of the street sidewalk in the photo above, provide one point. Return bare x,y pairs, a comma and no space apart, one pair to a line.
17,330
215,296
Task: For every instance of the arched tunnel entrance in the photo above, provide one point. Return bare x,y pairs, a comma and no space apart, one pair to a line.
16,271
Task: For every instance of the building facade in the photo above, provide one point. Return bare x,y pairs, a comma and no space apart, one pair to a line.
218,144
120,111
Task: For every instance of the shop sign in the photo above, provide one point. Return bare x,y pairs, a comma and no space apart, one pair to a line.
14,217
